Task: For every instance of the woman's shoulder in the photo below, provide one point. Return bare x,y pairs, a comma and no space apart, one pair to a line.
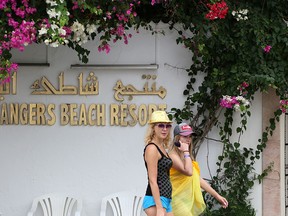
152,151
151,146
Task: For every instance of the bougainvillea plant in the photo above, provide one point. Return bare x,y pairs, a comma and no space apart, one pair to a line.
241,48
59,22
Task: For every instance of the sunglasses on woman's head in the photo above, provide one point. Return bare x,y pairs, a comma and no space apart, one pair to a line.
168,126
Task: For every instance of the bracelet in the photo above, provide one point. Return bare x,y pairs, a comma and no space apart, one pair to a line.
186,151
186,156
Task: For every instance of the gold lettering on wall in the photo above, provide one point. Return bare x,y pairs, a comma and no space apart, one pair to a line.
44,87
9,87
14,113
91,87
4,115
130,91
132,109
82,115
114,110
142,114
40,118
101,119
32,114
93,115
64,117
24,114
130,114
91,109
74,114
123,115
50,110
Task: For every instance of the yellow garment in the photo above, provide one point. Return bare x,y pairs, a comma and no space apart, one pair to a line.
187,199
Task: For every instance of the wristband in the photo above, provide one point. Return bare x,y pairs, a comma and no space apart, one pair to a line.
186,156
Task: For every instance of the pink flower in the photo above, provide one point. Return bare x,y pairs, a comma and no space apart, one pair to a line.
245,84
284,105
128,12
107,48
228,101
75,5
68,30
242,88
238,103
125,39
120,30
108,15
104,47
267,48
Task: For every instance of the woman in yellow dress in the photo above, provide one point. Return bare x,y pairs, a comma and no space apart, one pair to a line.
187,199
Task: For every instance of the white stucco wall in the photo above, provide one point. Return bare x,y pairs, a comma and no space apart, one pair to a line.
94,161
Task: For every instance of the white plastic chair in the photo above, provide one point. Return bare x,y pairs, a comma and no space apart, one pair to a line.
56,205
125,203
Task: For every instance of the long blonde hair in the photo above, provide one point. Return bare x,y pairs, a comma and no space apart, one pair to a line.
150,133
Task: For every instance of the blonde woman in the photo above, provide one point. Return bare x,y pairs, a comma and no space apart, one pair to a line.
157,200
187,199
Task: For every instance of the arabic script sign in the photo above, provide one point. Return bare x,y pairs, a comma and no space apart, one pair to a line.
120,114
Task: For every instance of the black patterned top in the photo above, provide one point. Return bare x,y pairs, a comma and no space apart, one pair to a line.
163,178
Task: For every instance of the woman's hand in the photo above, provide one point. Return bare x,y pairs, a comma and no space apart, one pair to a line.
161,212
222,201
183,146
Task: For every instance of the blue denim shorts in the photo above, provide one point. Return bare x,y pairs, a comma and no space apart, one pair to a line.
148,201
